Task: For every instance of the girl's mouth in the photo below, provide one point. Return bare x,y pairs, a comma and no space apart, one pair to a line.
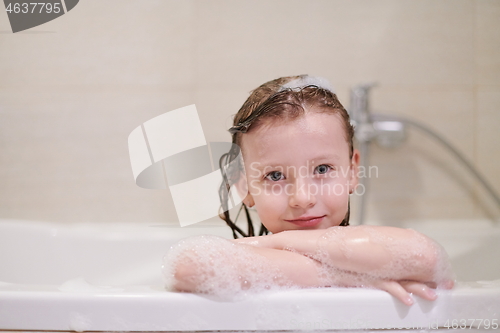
307,221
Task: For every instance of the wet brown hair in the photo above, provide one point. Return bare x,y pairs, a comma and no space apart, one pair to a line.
272,101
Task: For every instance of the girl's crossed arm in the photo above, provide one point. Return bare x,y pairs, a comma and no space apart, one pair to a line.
399,261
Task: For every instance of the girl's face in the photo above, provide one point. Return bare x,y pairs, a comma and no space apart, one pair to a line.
298,172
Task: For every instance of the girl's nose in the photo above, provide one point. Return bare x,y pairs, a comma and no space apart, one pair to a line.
303,194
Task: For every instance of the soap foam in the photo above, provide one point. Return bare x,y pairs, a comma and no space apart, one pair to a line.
214,271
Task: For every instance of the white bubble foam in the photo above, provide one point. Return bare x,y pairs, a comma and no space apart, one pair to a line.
216,266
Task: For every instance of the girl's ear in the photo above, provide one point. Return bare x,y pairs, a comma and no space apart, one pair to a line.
248,201
353,181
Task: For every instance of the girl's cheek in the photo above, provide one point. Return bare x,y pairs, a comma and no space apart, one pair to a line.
269,204
273,191
332,186
337,189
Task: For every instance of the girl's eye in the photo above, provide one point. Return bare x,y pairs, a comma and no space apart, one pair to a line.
323,168
275,176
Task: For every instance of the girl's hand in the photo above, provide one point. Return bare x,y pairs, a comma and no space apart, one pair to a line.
297,241
258,241
403,290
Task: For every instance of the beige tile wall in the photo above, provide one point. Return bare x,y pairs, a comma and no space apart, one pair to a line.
72,90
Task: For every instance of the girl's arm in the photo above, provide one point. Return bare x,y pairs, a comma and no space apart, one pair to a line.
362,249
294,269
398,261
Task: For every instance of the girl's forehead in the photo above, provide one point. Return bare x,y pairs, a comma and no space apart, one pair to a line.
311,131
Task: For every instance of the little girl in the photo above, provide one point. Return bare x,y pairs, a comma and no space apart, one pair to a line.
298,169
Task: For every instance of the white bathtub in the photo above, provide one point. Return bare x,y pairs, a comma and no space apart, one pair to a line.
98,277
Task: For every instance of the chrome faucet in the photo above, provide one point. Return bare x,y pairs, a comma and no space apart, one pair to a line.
391,131
364,133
